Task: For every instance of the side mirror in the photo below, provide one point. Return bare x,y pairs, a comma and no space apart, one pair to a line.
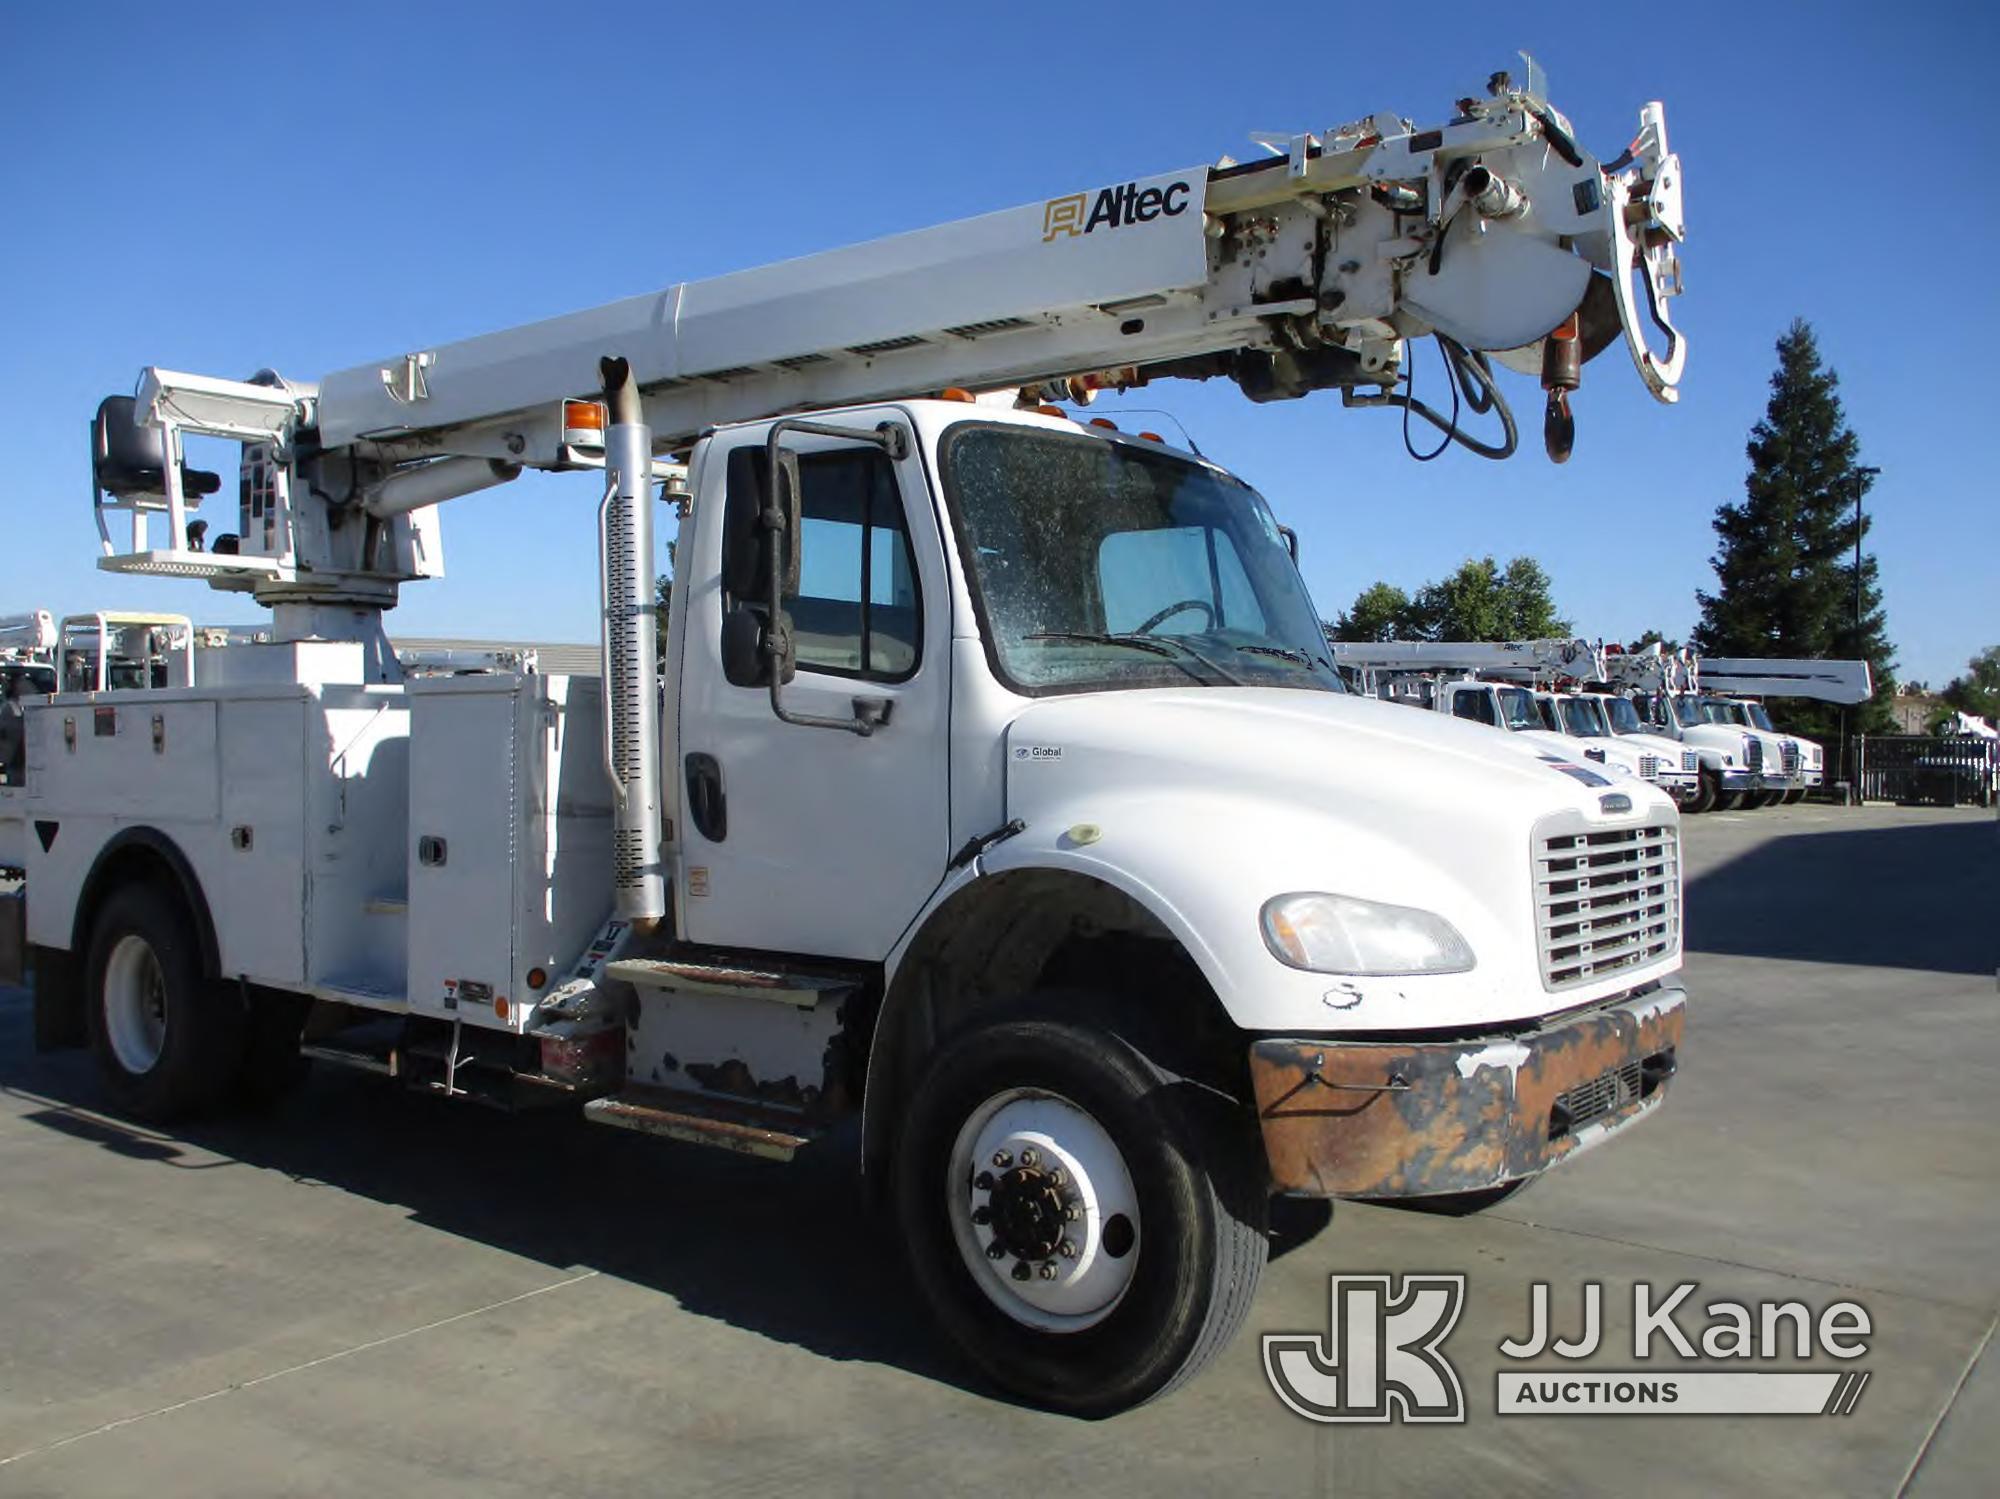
1291,542
744,634
747,539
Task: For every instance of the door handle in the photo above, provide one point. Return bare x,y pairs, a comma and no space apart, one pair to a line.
872,713
707,805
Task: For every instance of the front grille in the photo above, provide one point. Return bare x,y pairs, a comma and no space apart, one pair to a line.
1649,767
1687,760
1753,754
1606,900
1789,758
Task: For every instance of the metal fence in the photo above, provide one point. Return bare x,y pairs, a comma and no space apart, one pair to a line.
1926,769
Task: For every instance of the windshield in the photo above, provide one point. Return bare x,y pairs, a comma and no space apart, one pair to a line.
1580,718
1759,719
1720,712
1098,564
1688,711
1517,704
1623,716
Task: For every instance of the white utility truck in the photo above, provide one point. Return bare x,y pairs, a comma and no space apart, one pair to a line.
1739,764
1580,716
1527,707
1748,680
997,786
27,651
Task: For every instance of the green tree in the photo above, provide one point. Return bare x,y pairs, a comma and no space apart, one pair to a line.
1483,601
1480,601
1978,691
1381,612
1784,566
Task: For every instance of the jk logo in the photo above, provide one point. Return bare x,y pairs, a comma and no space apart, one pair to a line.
1379,1359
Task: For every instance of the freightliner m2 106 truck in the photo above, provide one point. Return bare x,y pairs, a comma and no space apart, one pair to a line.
995,786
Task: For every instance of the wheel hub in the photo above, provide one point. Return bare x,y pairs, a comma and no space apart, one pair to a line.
1029,1211
1044,1210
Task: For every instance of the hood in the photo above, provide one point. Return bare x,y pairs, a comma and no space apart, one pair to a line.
1316,745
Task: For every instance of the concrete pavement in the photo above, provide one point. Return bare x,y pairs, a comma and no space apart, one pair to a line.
380,1293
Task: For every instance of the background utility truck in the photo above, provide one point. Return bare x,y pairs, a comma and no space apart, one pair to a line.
997,787
1745,679
1742,763
1525,707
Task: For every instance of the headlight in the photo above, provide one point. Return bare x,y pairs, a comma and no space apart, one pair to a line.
1339,934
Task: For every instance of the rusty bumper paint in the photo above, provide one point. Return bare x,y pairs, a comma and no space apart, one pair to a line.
1420,1119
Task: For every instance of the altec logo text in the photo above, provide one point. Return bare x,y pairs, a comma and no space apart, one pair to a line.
1113,208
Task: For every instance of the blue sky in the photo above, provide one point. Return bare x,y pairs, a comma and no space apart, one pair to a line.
307,188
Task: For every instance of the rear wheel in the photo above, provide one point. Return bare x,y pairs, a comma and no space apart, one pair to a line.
1088,1228
167,1040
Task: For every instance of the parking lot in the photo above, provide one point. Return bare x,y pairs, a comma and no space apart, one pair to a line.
385,1293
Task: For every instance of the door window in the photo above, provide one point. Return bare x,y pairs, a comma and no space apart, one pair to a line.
857,612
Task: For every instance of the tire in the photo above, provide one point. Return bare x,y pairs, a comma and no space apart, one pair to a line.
1705,794
1796,795
1118,1328
1771,799
168,1041
1731,801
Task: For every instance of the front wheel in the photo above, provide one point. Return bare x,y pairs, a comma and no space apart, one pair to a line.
1088,1228
1706,791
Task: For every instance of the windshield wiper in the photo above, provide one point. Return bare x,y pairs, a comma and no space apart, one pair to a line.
1086,637
1281,652
1156,645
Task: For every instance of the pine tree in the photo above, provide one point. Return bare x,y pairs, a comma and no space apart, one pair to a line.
1786,560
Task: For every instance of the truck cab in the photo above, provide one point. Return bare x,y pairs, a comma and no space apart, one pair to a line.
1581,715
1730,761
1516,710
1810,758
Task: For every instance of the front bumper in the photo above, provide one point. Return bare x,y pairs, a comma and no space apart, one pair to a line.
1425,1118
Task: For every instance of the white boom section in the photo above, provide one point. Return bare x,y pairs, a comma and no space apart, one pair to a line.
1753,676
1536,659
1486,229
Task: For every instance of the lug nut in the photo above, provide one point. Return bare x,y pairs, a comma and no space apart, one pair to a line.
1048,1272
1072,1214
983,1181
1067,1249
1002,1159
1031,1157
1020,1270
982,1216
996,1250
1059,1176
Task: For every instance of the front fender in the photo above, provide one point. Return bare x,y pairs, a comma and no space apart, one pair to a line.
1205,868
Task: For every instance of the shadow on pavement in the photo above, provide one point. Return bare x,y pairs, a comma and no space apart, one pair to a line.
1912,896
798,1254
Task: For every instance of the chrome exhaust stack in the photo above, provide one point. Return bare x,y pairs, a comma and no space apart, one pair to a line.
630,650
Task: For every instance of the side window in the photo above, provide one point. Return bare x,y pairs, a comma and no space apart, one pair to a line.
857,612
1475,705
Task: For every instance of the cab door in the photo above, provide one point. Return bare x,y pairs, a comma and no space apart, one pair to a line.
804,838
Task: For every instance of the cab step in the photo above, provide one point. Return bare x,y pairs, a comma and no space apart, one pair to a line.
699,1119
804,988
